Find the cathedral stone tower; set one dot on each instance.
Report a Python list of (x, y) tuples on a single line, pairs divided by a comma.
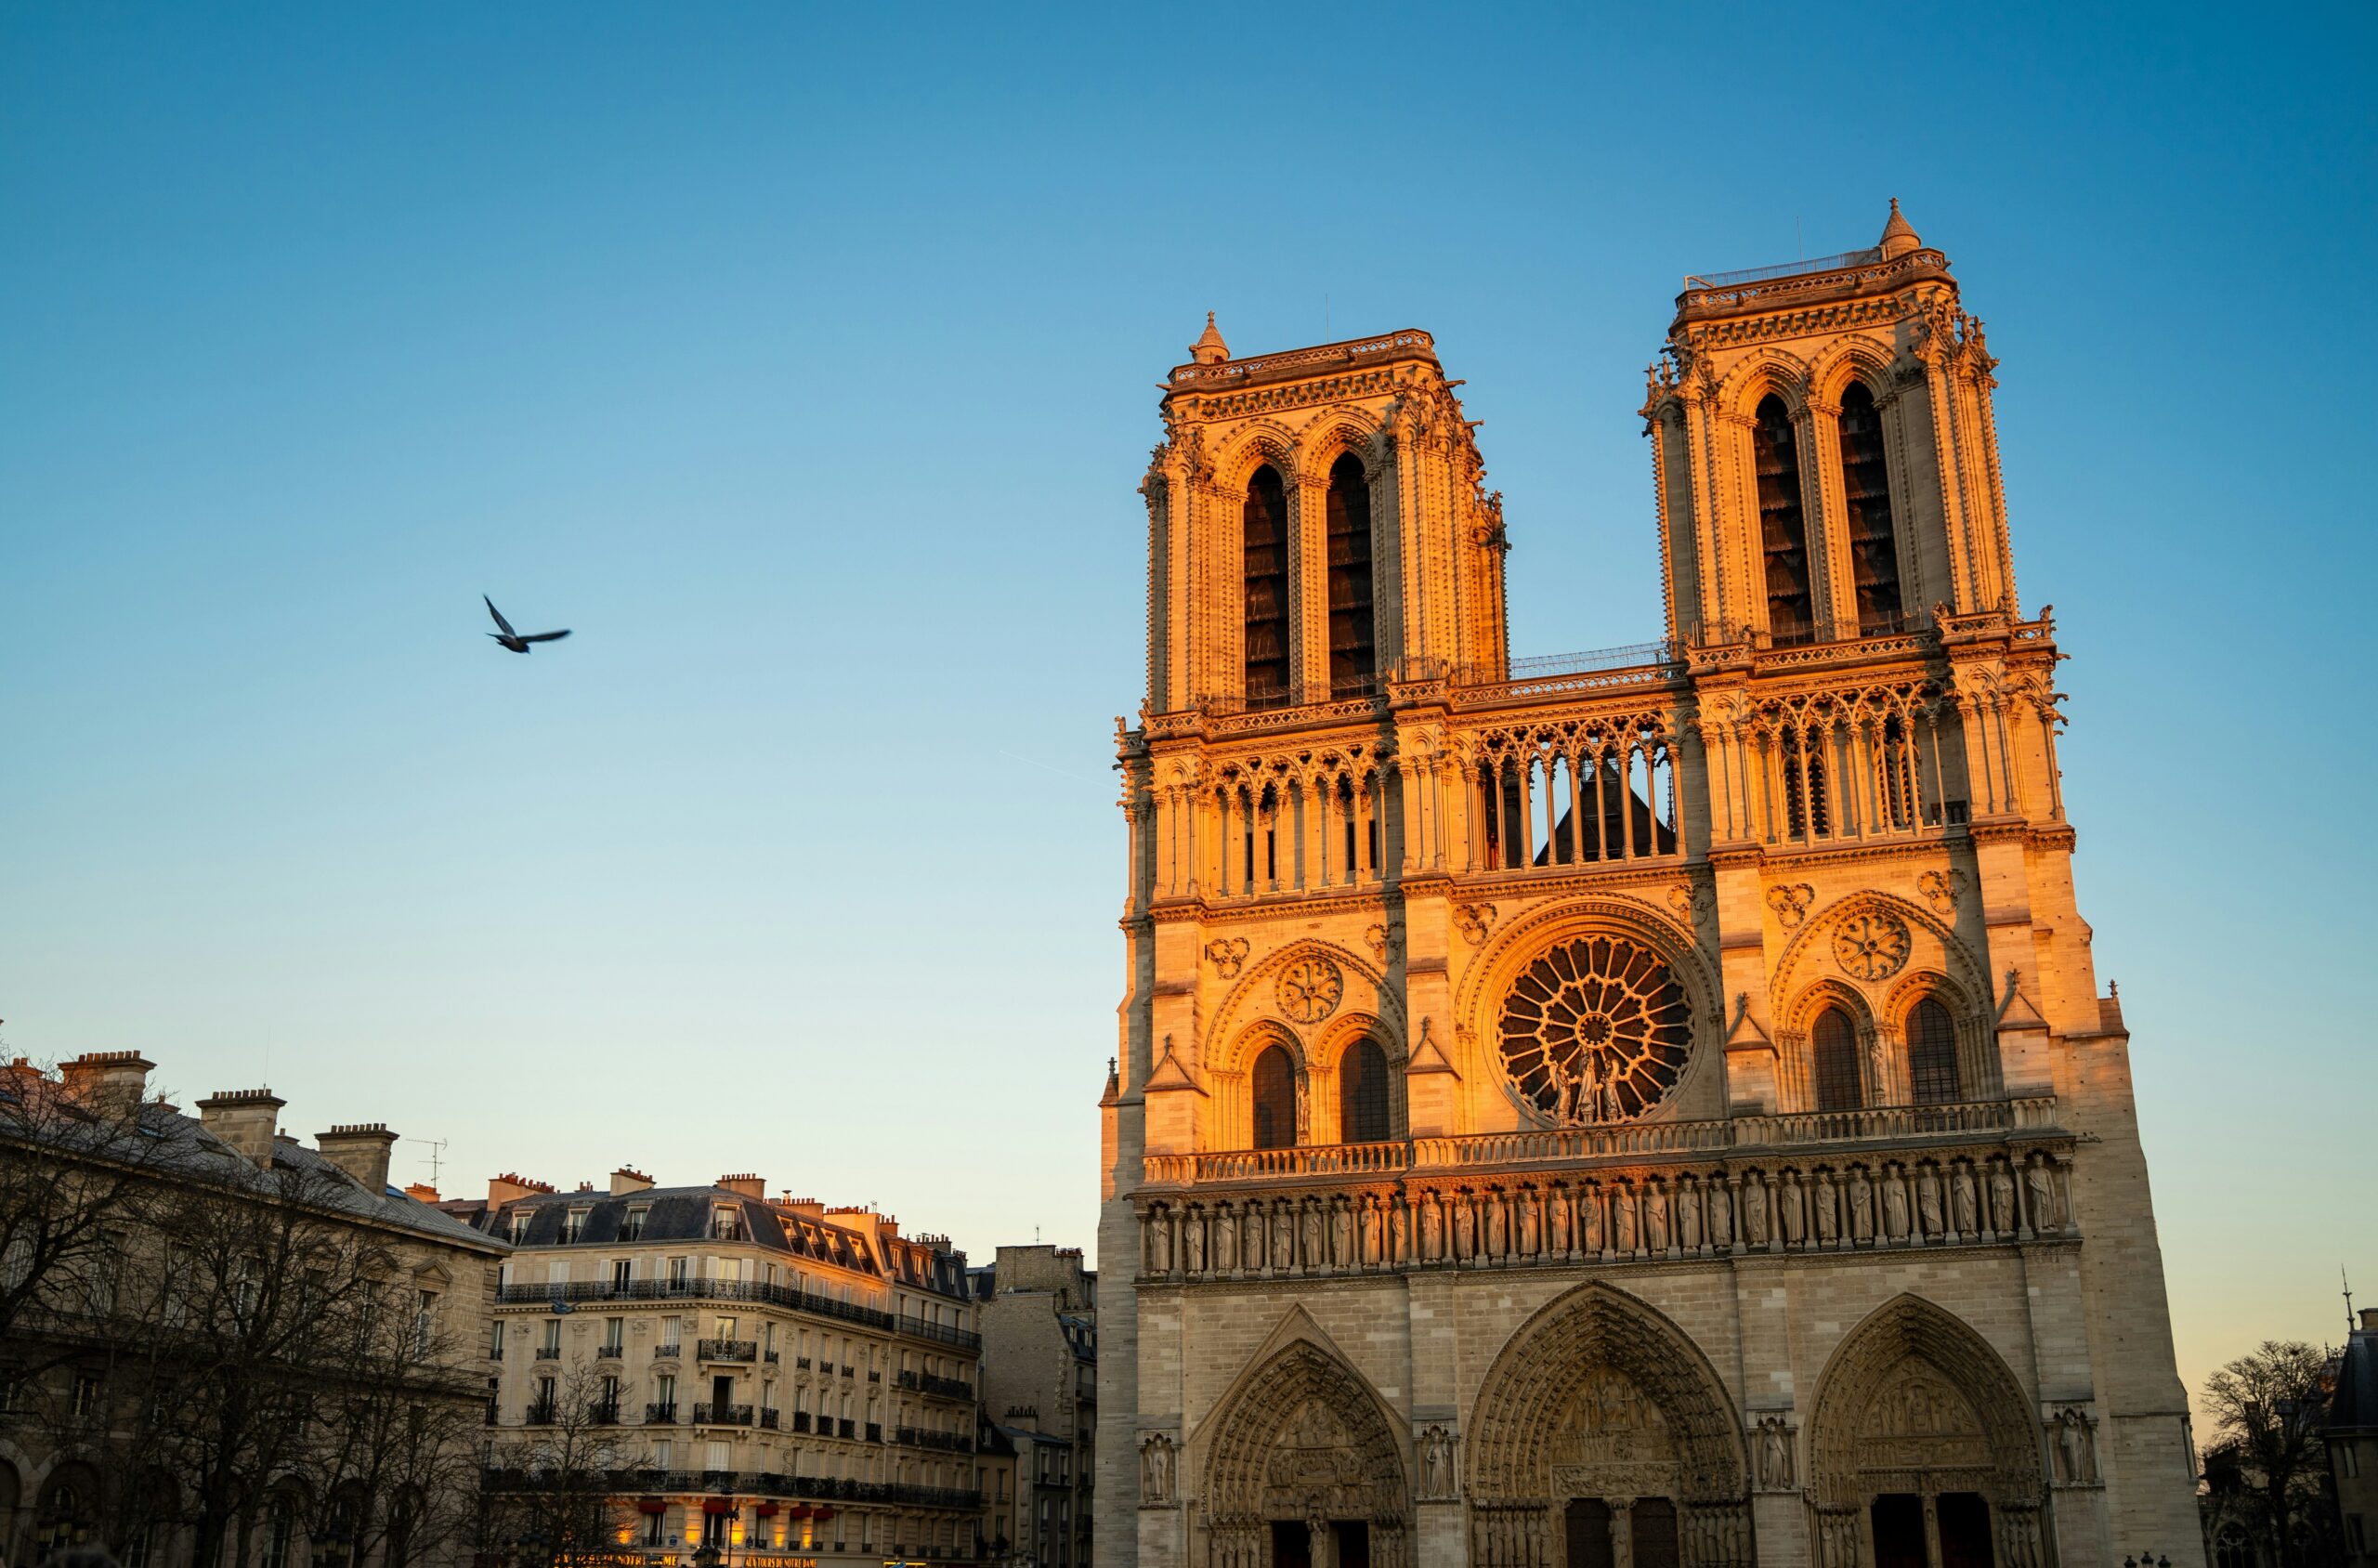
[(1642, 1109)]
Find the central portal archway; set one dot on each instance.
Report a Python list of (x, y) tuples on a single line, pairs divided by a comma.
[(1602, 1439), (1303, 1470)]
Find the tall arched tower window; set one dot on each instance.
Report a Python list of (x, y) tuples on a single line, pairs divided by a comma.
[(1835, 1047), (1274, 1088), (1932, 1054), (1362, 1094), (1866, 485), (1783, 530), (1353, 640), (1265, 546)]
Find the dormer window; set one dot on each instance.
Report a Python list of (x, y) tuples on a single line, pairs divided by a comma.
[(574, 1224), (726, 1223), (632, 1226), (519, 1227)]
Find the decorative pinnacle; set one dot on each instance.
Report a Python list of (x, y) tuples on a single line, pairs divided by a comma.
[(1209, 348), (1899, 235)]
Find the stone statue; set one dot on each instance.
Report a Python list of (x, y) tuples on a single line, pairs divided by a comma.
[(1968, 1206), (1155, 1469), (1827, 1205), (1341, 1236), (1755, 1209), (1283, 1255), (1795, 1217), (1927, 1201), (1436, 1464), (1556, 1221), (1399, 1231), (1622, 1217), (1432, 1240), (1774, 1454), (1894, 1204), (1862, 1205), (1531, 1234), (1688, 1218), (1465, 1227), (2041, 1195), (1590, 1219), (2076, 1448), (1226, 1241), (1497, 1225), (1656, 1218), (1314, 1257), (1721, 1216), (1564, 1093), (1193, 1243), (2002, 1199), (1370, 1233), (1160, 1229)]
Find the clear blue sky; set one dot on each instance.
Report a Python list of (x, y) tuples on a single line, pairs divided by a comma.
[(804, 362)]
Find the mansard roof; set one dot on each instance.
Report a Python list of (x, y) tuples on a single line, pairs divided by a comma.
[(2354, 1406)]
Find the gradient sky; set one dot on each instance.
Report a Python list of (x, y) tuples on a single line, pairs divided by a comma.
[(804, 363)]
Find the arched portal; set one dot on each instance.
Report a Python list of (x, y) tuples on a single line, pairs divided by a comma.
[(1303, 1468), (1602, 1435), (1922, 1447)]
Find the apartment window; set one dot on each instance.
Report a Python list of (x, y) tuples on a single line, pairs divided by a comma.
[(574, 1223), (549, 1348), (655, 1525), (424, 1320), (277, 1536), (631, 1225), (726, 1223), (519, 1227), (623, 1272), (677, 1271), (614, 1335), (542, 1408), (496, 1341), (716, 1457), (86, 1396)]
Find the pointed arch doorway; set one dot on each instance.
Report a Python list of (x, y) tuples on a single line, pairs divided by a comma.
[(1602, 1438), (1300, 1469)]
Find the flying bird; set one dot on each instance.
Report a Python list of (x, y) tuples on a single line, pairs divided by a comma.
[(512, 639)]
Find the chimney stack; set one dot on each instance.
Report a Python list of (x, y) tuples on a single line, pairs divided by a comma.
[(746, 1185), (503, 1189), (628, 1179), (2369, 1320), (110, 1082), (245, 1120), (361, 1150)]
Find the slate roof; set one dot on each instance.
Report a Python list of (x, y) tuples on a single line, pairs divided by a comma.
[(2354, 1406), (183, 1149), (684, 1214)]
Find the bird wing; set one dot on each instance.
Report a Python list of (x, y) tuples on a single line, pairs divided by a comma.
[(547, 636), (499, 616)]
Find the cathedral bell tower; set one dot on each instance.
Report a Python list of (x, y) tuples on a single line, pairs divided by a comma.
[(1317, 526)]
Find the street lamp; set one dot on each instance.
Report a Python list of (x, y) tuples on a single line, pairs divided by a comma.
[(706, 1556)]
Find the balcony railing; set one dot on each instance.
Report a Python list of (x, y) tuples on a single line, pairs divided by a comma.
[(608, 1352), (604, 1413), (923, 1437), (537, 1415), (801, 1420), (660, 1353), (662, 1415), (783, 1296), (726, 1349), (721, 1415), (845, 1428), (753, 1483), (939, 1388), (548, 1353), (1624, 1140), (768, 1419), (874, 1432)]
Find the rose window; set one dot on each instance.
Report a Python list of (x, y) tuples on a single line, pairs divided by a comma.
[(1595, 1030), (1871, 946)]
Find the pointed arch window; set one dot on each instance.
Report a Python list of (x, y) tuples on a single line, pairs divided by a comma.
[(1275, 1087), (1866, 487), (1932, 1054), (1265, 543), (1833, 1045), (1362, 1094), (1783, 530), (1353, 638)]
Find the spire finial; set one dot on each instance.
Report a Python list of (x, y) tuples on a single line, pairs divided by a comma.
[(1209, 348), (1899, 235)]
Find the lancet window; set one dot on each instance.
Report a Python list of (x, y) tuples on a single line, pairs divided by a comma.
[(1866, 487), (1834, 1058), (1783, 532), (1362, 1094), (1274, 1094), (1354, 647), (1932, 1054), (1264, 546)]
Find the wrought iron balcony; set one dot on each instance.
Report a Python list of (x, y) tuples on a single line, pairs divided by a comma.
[(710, 1415), (609, 1353), (663, 1414), (768, 1419), (604, 1412), (691, 1289), (537, 1415), (548, 1353), (665, 1353), (939, 1388), (727, 1350), (921, 1437)]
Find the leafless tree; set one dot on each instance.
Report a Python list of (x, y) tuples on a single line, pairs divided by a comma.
[(2269, 1409), (554, 1492)]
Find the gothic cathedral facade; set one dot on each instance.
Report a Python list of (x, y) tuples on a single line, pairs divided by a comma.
[(1635, 1110)]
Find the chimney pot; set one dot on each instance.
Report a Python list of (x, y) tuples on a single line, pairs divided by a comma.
[(111, 1082), (245, 1120)]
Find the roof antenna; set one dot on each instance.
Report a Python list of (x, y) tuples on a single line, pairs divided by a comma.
[(2349, 1297), (437, 1150)]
